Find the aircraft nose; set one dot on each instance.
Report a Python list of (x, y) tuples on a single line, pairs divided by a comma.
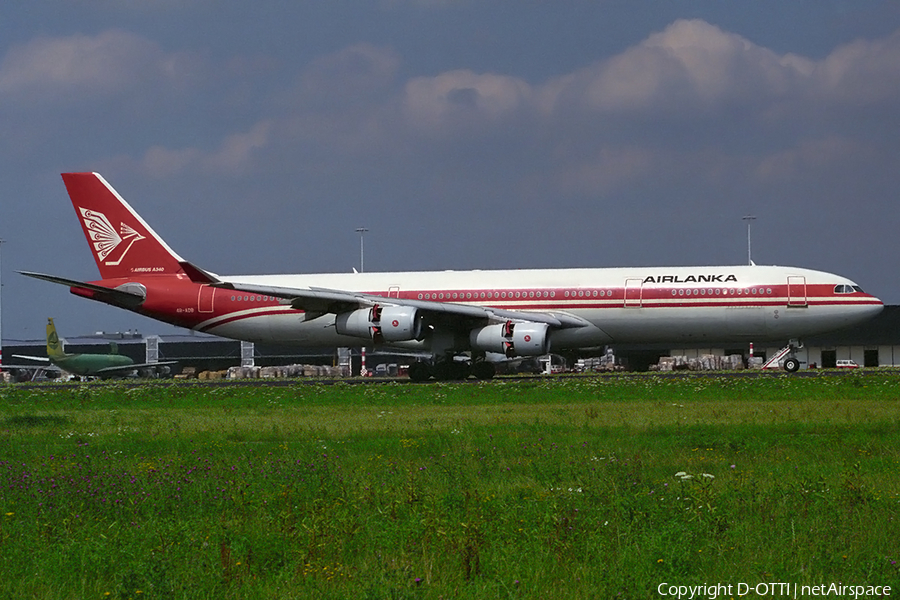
[(875, 308)]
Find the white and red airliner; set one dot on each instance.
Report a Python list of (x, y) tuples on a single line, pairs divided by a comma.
[(511, 313)]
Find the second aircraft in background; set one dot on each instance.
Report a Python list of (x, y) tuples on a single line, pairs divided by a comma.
[(94, 365)]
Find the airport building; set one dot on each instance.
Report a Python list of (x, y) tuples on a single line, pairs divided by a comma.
[(875, 343)]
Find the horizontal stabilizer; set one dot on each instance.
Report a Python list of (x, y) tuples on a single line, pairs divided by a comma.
[(115, 295)]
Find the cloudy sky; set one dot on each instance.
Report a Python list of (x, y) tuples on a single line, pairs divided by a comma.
[(255, 137)]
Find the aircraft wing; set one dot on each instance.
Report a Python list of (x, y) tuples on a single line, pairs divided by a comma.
[(127, 368), (35, 358), (320, 301), (323, 301)]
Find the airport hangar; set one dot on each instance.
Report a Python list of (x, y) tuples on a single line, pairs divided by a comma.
[(875, 343)]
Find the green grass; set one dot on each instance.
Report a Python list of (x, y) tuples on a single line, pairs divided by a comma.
[(559, 488)]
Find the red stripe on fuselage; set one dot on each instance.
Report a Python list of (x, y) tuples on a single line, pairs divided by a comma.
[(176, 299)]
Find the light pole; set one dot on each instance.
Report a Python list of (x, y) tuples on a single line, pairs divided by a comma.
[(749, 219), (361, 231), (363, 372), (1, 305)]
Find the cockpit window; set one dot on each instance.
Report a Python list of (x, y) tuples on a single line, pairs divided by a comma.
[(843, 288)]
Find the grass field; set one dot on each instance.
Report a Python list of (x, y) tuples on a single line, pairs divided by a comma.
[(597, 487)]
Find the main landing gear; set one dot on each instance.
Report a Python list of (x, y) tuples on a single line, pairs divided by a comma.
[(448, 369)]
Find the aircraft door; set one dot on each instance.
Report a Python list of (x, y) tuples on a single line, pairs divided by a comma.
[(394, 291), (205, 299), (633, 292), (796, 291)]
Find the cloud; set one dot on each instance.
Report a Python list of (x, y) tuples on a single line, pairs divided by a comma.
[(689, 67), (689, 101), (811, 156), (715, 65), (862, 73), (82, 67), (463, 100), (234, 155), (356, 74)]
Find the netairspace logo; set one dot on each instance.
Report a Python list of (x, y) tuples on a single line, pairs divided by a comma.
[(771, 590)]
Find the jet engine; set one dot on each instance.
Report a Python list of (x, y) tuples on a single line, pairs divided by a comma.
[(381, 323), (512, 339)]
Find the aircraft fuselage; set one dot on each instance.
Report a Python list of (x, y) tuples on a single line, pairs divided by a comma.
[(620, 305)]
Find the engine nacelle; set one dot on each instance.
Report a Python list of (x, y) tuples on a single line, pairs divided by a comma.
[(355, 323), (400, 324), (512, 339), (381, 323)]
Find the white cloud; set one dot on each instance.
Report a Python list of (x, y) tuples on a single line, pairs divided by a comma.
[(668, 102), (862, 72), (78, 67), (238, 150), (716, 64), (235, 154), (689, 66), (462, 98), (666, 105)]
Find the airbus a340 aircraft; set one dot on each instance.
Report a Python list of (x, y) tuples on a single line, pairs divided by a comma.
[(510, 313)]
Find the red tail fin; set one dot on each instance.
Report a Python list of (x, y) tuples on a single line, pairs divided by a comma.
[(122, 243)]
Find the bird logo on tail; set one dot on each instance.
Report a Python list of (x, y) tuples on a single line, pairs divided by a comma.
[(105, 239)]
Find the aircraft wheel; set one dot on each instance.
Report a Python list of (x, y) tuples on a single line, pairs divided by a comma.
[(443, 370), (483, 370), (461, 370), (791, 365), (419, 371), (451, 370)]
